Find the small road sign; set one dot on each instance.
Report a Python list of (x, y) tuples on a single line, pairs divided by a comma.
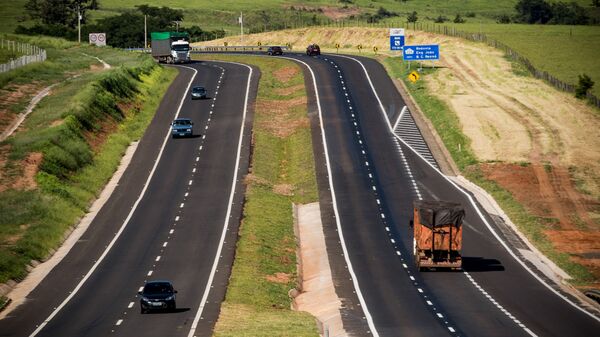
[(99, 39), (421, 53), (413, 76), (396, 38)]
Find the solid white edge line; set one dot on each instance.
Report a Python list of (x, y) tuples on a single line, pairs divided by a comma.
[(229, 207), (399, 117), (359, 294), (125, 222), (479, 212)]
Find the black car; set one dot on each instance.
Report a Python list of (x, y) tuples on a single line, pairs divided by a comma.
[(198, 93), (157, 295), (313, 50), (275, 50)]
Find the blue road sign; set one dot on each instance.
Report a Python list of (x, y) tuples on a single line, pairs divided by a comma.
[(396, 38), (396, 42), (421, 53)]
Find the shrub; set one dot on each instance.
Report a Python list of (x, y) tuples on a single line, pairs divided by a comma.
[(412, 17), (458, 19), (585, 84), (441, 19), (503, 18)]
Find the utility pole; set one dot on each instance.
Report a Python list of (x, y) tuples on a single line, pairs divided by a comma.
[(79, 24), (145, 33), (241, 20)]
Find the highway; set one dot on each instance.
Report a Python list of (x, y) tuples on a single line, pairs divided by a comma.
[(174, 216), (374, 178), (168, 218)]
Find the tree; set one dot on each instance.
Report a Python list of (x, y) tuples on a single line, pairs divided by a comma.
[(412, 17), (163, 17), (596, 3), (533, 11), (585, 84), (568, 14), (59, 12), (458, 19), (440, 19)]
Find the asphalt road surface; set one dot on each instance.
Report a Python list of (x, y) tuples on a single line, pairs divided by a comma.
[(374, 178), (187, 215)]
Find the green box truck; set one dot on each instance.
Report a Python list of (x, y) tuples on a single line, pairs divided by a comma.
[(170, 47)]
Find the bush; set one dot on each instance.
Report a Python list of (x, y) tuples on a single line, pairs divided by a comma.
[(412, 17), (441, 19), (458, 19), (503, 18), (585, 84)]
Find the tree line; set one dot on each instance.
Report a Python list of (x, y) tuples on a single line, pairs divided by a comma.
[(59, 18)]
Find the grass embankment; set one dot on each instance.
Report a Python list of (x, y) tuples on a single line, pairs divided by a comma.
[(257, 301), (65, 60), (448, 127), (574, 48), (69, 148)]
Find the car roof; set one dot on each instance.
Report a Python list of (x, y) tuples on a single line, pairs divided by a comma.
[(182, 120), (197, 87), (158, 281)]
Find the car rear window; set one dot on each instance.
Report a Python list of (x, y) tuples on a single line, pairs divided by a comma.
[(158, 288)]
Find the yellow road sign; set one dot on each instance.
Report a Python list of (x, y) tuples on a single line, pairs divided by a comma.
[(259, 43), (337, 46), (413, 76), (375, 49), (225, 43)]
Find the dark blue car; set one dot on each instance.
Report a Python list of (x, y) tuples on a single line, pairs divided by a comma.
[(157, 295), (182, 127)]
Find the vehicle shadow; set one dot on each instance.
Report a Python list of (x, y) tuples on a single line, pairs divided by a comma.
[(480, 264), (174, 311)]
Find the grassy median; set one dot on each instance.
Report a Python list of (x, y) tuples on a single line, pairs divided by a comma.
[(282, 173)]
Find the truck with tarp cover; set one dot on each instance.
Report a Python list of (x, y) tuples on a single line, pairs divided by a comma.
[(170, 47), (437, 227)]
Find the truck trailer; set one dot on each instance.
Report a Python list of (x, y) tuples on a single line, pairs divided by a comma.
[(437, 227), (170, 47)]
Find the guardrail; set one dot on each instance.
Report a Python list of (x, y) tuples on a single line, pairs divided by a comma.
[(218, 48), (32, 54), (236, 48)]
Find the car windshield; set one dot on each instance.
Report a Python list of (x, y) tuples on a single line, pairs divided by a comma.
[(198, 89), (182, 122), (183, 47), (158, 288)]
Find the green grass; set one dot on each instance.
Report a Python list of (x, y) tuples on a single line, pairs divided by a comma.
[(437, 112), (255, 306), (33, 221), (7, 54), (449, 129)]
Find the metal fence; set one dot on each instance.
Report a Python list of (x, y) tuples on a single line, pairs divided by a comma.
[(31, 54)]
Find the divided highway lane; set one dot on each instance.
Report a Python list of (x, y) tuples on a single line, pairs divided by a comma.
[(375, 179), (191, 205), (494, 283)]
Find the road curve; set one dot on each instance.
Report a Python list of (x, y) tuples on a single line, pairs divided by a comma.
[(374, 179), (189, 208)]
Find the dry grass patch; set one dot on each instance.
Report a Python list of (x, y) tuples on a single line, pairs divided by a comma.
[(276, 118)]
